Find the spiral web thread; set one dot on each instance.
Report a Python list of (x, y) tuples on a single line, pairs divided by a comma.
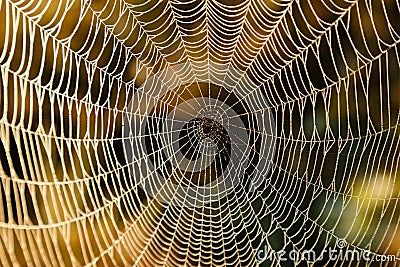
[(328, 71)]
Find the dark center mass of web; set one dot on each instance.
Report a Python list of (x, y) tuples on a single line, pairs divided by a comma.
[(209, 128), (198, 129)]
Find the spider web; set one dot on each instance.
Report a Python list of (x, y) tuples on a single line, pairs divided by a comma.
[(197, 133)]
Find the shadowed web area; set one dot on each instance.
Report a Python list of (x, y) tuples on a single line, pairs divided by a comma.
[(199, 133)]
